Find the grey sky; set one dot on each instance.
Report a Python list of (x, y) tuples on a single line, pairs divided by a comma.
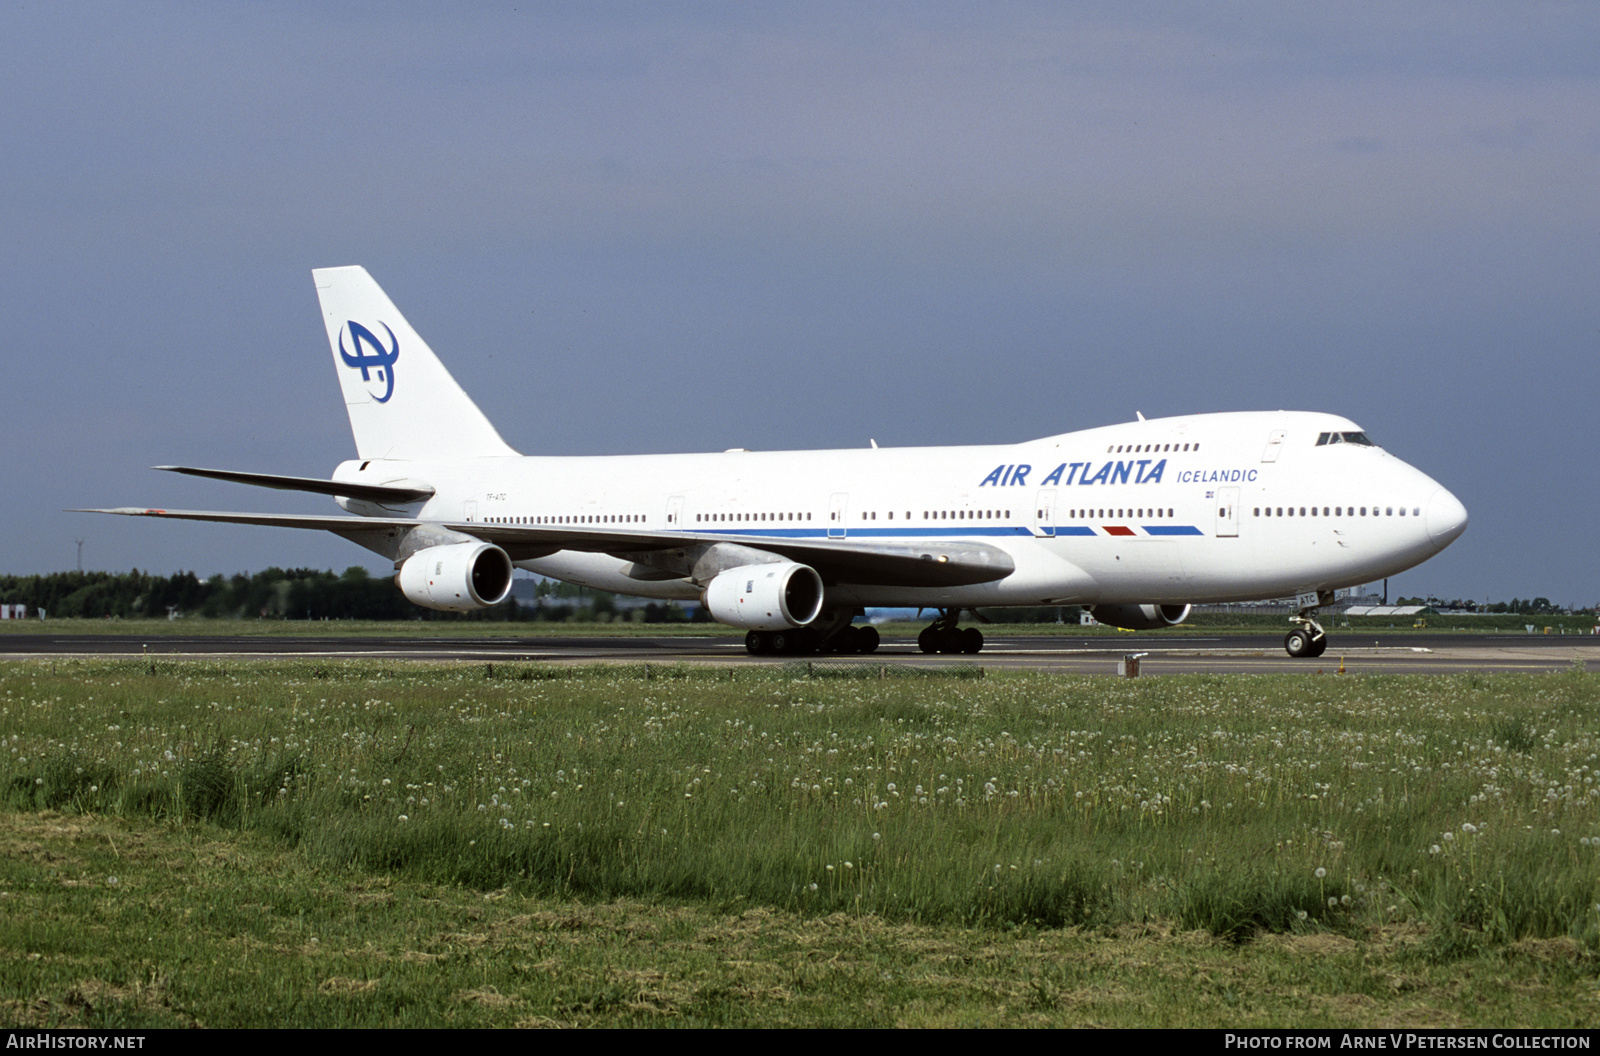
[(669, 226)]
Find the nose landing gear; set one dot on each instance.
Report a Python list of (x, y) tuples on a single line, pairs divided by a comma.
[(1308, 639)]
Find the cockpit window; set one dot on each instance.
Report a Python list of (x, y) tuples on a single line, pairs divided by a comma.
[(1323, 439)]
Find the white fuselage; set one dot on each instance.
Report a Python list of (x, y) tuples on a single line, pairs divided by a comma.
[(1214, 507)]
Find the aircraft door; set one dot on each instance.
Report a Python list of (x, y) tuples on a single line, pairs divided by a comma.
[(1044, 514), (838, 506), (1227, 513), (675, 511), (1274, 445), (469, 511)]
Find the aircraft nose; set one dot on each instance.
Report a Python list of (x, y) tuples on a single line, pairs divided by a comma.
[(1446, 518)]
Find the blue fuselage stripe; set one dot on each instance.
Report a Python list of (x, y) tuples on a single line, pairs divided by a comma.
[(935, 533)]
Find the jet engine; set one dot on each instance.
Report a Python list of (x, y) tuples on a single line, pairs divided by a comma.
[(1140, 617), (768, 597), (459, 577)]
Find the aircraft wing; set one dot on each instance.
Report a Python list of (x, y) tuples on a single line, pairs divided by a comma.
[(932, 564)]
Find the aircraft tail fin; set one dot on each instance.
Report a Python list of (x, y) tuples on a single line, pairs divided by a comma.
[(402, 402)]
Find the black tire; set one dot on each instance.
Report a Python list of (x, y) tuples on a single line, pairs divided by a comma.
[(1297, 644), (971, 641), (928, 640), (1319, 646), (868, 640), (950, 640), (781, 642), (755, 643)]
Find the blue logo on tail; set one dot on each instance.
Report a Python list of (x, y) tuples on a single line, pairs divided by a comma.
[(378, 360)]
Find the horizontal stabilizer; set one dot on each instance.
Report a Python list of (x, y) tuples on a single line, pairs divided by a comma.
[(386, 493)]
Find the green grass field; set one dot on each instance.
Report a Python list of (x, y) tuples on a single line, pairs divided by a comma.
[(315, 844)]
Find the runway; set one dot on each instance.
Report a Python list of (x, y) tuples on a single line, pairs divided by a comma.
[(1162, 655)]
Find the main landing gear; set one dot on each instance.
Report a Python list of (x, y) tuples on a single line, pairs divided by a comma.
[(804, 641), (1308, 639), (943, 636)]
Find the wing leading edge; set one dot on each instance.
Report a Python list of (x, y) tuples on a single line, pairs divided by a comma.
[(943, 564)]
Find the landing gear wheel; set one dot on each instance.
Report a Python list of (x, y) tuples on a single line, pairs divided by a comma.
[(950, 640), (928, 640), (781, 642), (755, 643), (1298, 643), (971, 641), (1319, 646), (866, 640)]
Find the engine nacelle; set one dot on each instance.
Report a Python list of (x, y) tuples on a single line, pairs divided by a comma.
[(1140, 617), (769, 597), (459, 577)]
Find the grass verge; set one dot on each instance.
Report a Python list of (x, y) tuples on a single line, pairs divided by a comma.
[(1444, 826)]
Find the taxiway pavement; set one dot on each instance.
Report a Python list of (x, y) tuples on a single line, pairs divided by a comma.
[(1162, 654)]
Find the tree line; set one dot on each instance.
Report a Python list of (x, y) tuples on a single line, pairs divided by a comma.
[(296, 594), (1520, 606), (276, 593)]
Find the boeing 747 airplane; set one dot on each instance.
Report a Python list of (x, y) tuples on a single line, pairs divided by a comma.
[(1135, 521)]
